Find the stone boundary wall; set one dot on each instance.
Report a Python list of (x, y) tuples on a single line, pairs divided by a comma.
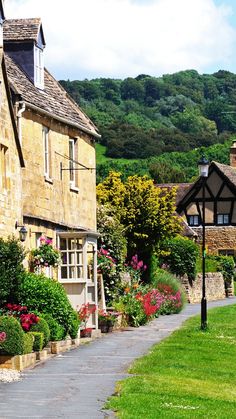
[(215, 287)]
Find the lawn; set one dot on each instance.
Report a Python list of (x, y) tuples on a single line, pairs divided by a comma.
[(191, 374), (101, 157)]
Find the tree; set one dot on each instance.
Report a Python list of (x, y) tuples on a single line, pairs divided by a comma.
[(132, 89), (146, 212)]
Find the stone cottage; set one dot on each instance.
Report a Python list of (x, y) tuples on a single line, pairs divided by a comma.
[(58, 143), (11, 156)]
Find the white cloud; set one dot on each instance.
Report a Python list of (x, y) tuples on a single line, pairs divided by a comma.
[(120, 38)]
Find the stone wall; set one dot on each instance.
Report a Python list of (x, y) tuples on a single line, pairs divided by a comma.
[(53, 200), (215, 287), (217, 238), (10, 182)]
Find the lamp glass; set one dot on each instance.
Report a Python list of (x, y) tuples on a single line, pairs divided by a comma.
[(23, 233), (203, 166)]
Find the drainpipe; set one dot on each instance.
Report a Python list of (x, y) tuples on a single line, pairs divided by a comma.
[(21, 109)]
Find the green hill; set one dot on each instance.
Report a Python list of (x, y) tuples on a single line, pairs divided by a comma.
[(143, 119)]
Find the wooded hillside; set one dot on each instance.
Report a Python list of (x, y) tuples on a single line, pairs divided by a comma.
[(145, 116)]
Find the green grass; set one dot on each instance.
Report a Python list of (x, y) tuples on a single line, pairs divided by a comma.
[(101, 158), (191, 374)]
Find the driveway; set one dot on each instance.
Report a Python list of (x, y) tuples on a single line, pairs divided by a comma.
[(77, 383)]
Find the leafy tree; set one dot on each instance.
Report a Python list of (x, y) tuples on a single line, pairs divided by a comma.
[(144, 210), (132, 89)]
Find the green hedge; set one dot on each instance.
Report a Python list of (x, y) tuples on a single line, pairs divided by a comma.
[(42, 327), (44, 295), (14, 343), (28, 343), (57, 332), (182, 256), (11, 268), (38, 339)]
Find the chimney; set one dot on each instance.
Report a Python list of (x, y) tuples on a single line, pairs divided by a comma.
[(233, 154)]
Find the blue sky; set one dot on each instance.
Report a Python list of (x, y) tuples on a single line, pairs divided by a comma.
[(122, 38)]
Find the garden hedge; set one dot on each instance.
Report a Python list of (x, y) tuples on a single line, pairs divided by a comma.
[(47, 296), (43, 328), (57, 332), (14, 343)]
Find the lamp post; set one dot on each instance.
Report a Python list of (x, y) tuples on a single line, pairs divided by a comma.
[(203, 166)]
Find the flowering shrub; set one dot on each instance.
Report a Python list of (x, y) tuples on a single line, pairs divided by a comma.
[(3, 336), (135, 268), (106, 264), (21, 313), (142, 303), (45, 255), (84, 312), (107, 317)]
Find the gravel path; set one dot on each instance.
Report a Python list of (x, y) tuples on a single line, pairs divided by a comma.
[(77, 383)]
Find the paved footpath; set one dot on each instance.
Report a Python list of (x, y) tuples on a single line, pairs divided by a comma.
[(77, 383)]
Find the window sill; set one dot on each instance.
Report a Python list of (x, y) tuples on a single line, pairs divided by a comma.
[(74, 189), (48, 179), (72, 281)]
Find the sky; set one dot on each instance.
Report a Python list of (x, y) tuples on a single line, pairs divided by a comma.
[(125, 38)]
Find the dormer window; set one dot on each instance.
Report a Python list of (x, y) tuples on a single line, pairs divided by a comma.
[(38, 68)]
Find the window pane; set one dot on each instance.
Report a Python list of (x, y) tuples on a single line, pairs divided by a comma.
[(226, 219), (63, 272), (220, 219), (63, 244)]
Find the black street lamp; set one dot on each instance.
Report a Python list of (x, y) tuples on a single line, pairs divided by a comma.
[(203, 166)]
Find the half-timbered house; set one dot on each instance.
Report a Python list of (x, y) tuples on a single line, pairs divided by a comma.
[(220, 207)]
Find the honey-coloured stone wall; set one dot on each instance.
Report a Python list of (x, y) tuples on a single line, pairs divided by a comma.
[(10, 194), (218, 238), (215, 287), (52, 200)]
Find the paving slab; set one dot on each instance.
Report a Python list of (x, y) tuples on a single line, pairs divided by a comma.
[(77, 383)]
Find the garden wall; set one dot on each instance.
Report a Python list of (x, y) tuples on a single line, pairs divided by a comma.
[(215, 287)]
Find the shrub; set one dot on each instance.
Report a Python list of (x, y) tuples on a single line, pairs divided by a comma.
[(28, 343), (182, 256), (44, 295), (43, 328), (57, 332), (38, 339), (14, 342), (162, 278), (226, 265), (11, 268), (74, 326)]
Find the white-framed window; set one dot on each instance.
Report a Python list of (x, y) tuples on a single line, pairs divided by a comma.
[(72, 164), (72, 253), (193, 220), (38, 68), (46, 149), (222, 219)]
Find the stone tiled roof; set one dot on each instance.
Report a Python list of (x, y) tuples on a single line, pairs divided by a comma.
[(21, 29), (52, 100), (181, 189), (228, 171)]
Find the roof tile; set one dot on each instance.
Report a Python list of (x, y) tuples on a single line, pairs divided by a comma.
[(52, 99)]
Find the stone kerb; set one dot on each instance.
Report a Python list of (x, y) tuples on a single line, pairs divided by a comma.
[(215, 287)]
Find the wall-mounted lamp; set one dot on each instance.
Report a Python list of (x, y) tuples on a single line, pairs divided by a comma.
[(22, 232)]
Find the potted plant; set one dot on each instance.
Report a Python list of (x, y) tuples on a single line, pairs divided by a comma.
[(106, 321), (83, 314)]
